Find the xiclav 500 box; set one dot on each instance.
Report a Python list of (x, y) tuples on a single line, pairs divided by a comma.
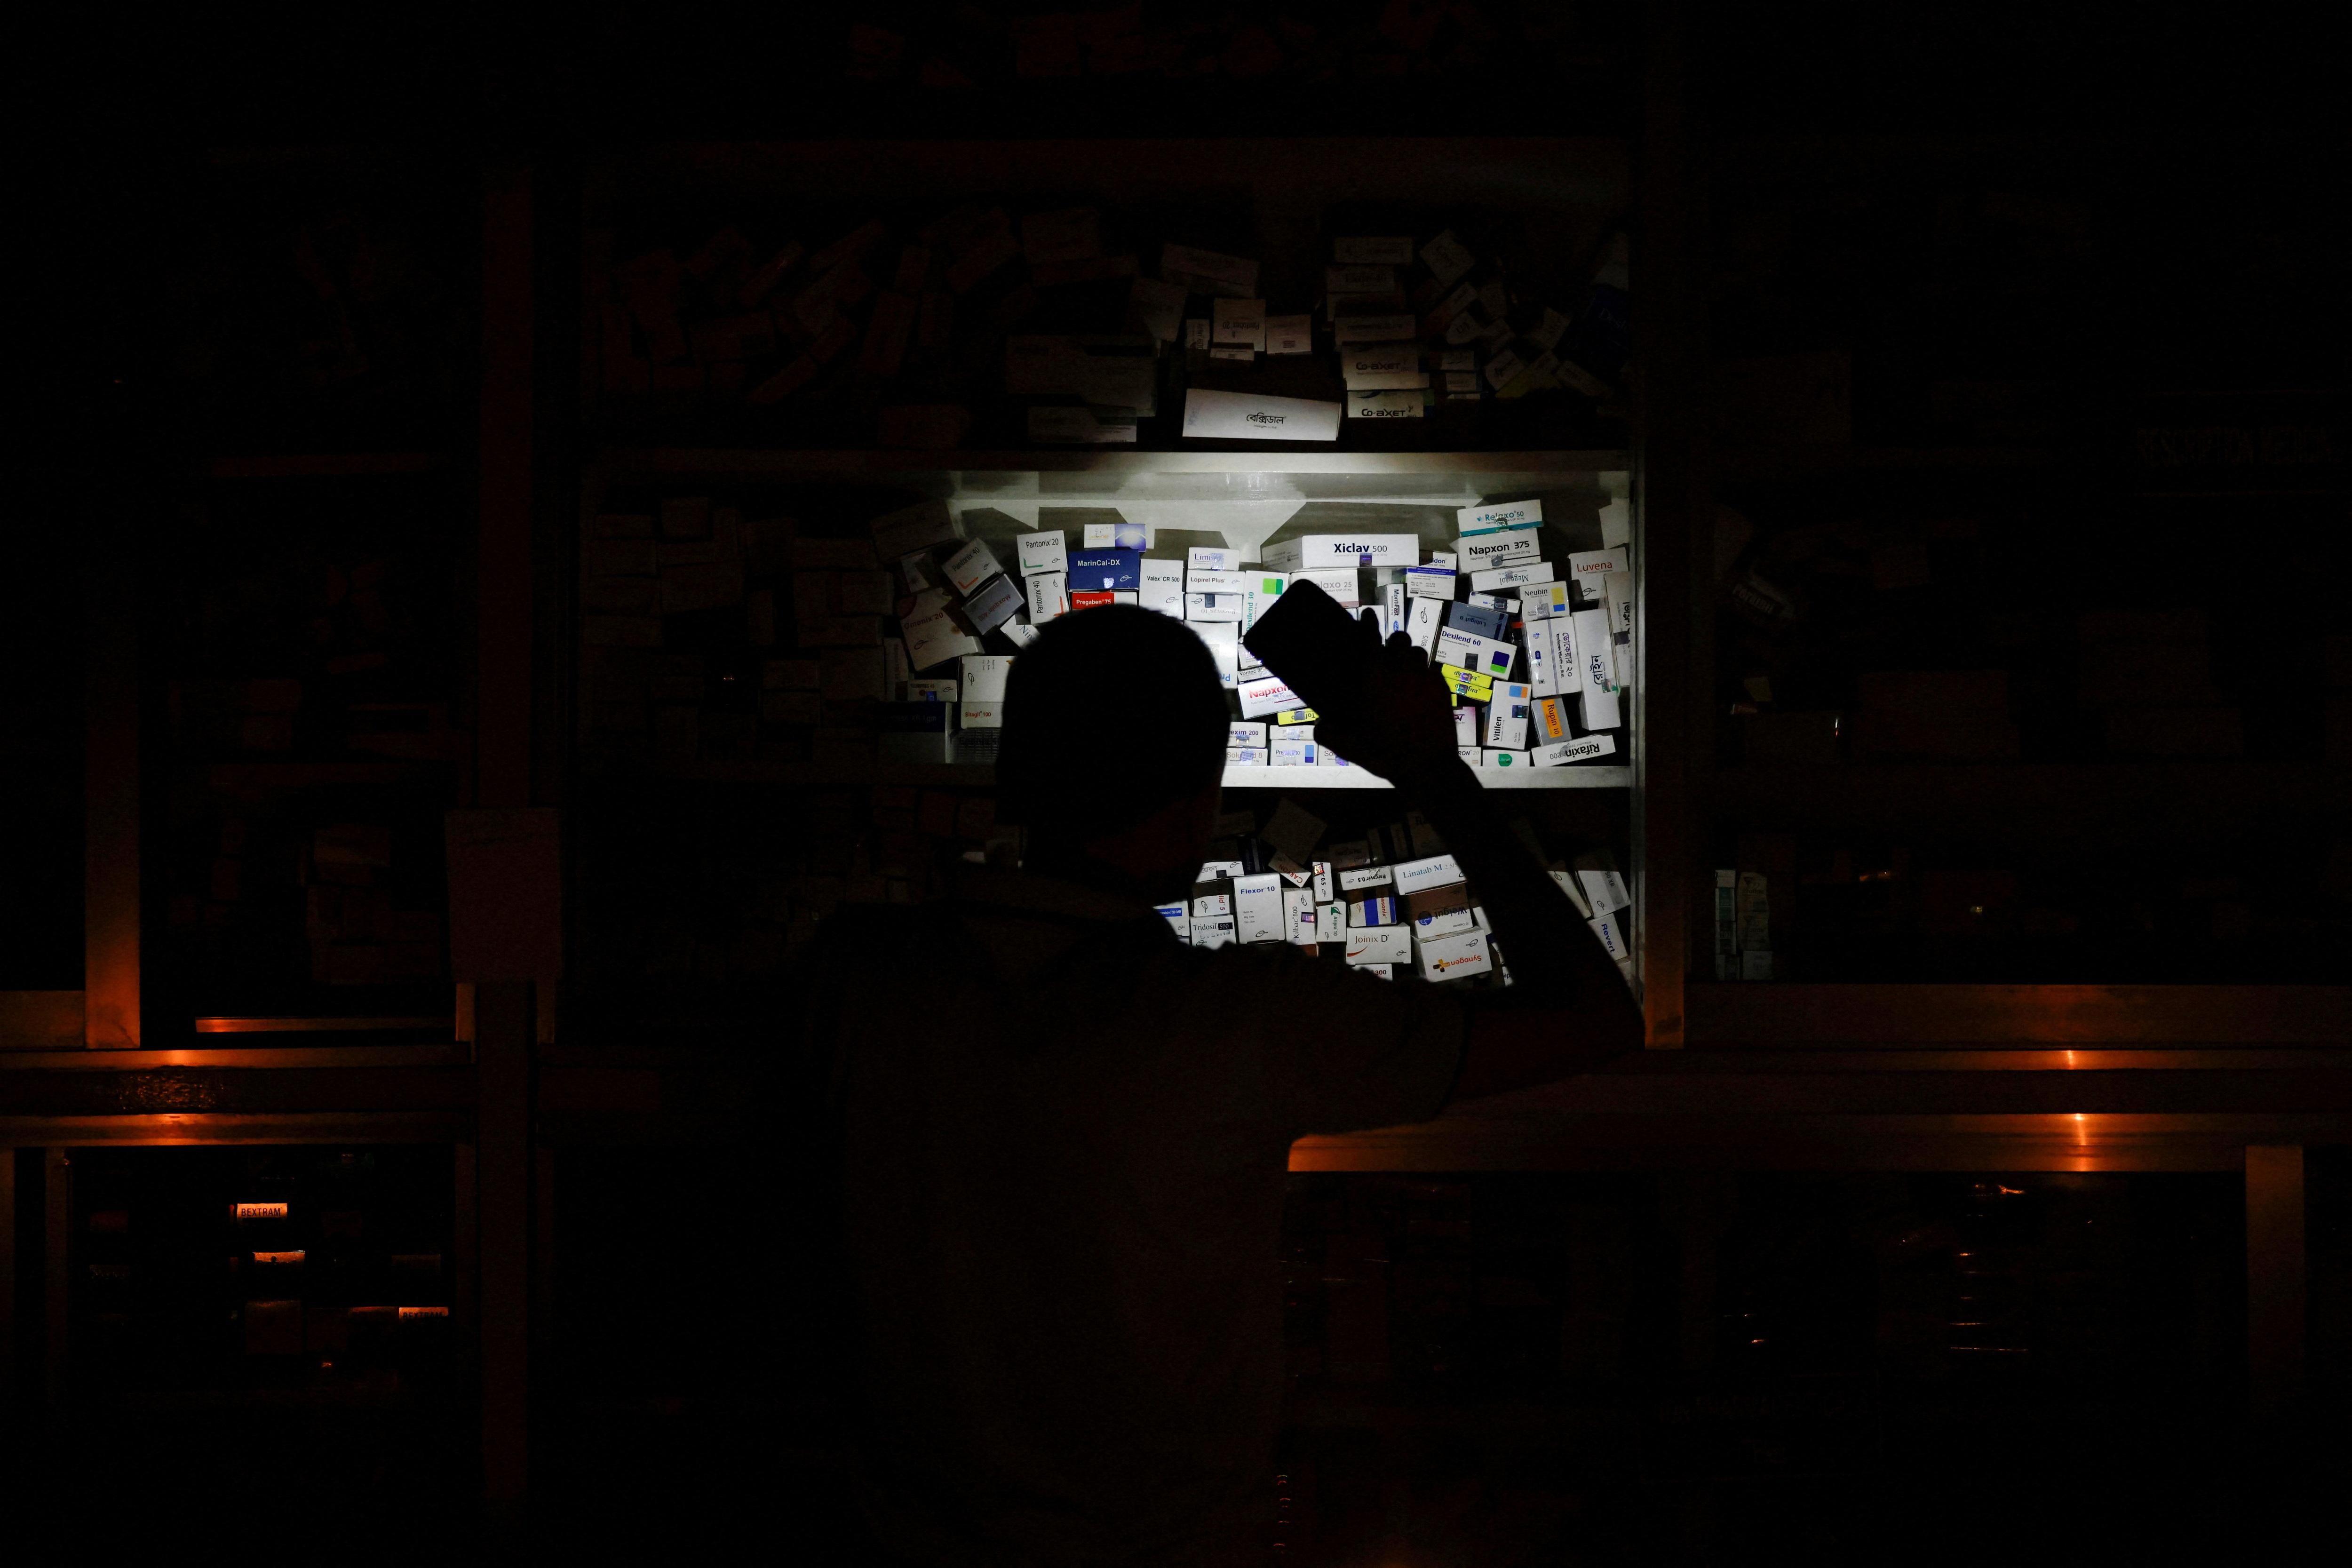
[(1312, 551)]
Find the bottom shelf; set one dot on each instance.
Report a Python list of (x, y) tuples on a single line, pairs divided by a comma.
[(1364, 778)]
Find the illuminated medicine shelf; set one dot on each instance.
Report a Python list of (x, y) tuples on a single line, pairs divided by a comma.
[(982, 776), (1245, 502), (1492, 778)]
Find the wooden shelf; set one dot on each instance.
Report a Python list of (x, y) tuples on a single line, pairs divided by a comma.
[(279, 1058), (1768, 1013), (39, 1021), (1813, 461), (431, 1126), (2025, 802), (1912, 1109), (1492, 778), (442, 1024), (325, 464), (979, 776), (1273, 458), (1776, 1141)]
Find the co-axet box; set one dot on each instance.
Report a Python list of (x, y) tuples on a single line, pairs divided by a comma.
[(1312, 551), (1423, 875), (1455, 957), (1379, 944), (1253, 417), (1372, 367)]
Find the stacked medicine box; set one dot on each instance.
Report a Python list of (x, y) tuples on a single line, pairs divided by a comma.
[(1391, 902)]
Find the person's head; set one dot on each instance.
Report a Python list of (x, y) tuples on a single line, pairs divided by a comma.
[(1114, 741)]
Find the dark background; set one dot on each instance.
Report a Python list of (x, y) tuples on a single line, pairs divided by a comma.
[(2217, 252)]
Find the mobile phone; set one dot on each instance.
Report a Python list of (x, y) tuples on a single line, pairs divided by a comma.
[(1319, 651)]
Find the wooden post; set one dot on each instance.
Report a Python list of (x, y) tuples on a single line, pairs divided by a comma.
[(1671, 496), (57, 1275), (7, 1277), (2274, 1275), (502, 1205), (502, 721), (1701, 1204), (110, 985)]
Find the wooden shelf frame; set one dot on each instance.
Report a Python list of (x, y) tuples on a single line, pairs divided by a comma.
[(1773, 1014)]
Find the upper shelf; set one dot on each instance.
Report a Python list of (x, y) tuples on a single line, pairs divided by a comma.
[(1339, 474), (1805, 461), (326, 465), (980, 775)]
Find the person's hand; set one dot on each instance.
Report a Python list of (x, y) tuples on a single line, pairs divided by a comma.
[(1401, 724)]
